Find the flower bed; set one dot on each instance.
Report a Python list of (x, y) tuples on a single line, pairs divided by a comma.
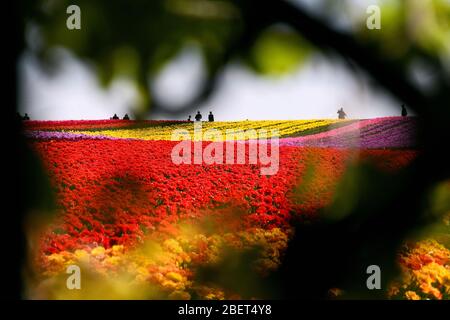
[(164, 132), (120, 194), (396, 132)]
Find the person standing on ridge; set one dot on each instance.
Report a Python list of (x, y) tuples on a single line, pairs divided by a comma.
[(189, 118), (210, 117), (404, 111), (115, 117), (198, 116), (341, 113), (126, 117)]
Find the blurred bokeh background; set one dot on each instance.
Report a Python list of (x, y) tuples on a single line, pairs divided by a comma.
[(166, 59)]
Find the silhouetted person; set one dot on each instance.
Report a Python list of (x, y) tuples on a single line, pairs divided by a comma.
[(126, 117), (210, 117), (404, 111), (198, 116), (26, 117), (341, 113), (115, 117)]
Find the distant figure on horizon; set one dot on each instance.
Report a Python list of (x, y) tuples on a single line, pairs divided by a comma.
[(341, 113), (198, 116), (126, 117), (210, 117), (26, 117), (115, 117), (189, 118), (404, 111)]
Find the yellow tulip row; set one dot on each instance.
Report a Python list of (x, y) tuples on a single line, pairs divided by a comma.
[(164, 132)]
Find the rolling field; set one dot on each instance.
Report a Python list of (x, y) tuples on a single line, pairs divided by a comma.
[(144, 225)]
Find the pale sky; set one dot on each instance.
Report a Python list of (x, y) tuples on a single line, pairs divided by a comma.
[(315, 90)]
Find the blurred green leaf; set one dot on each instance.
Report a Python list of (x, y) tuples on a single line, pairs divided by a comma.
[(278, 51)]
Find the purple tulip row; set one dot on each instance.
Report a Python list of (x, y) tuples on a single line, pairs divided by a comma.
[(395, 132), (58, 135)]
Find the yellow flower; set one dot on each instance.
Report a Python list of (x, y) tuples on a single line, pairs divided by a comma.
[(170, 285), (98, 251), (56, 258), (174, 276), (81, 255), (411, 295), (117, 249), (173, 246), (113, 260)]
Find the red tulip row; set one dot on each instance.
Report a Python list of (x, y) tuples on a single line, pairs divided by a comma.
[(92, 124), (117, 192)]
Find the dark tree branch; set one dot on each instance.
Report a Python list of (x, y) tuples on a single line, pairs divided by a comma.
[(388, 73), (236, 47)]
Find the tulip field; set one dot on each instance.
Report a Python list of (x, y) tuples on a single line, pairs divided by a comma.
[(144, 225)]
